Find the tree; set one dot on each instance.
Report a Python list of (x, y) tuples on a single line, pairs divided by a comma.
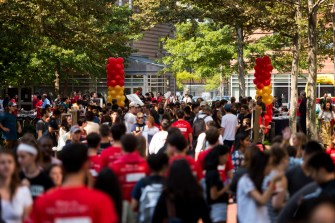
[(199, 50), (43, 39)]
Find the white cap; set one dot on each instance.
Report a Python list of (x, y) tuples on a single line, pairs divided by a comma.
[(133, 104)]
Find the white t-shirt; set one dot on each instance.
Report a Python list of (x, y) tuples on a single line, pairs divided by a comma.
[(148, 134), (129, 120), (157, 142), (92, 127), (12, 211), (229, 123), (248, 211), (202, 140)]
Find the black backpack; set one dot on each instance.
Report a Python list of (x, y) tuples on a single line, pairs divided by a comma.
[(198, 126)]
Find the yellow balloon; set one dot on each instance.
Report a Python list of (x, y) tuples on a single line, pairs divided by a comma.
[(123, 98), (109, 98), (110, 88), (112, 92), (121, 104), (268, 101)]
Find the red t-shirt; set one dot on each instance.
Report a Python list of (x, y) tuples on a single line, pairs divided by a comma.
[(184, 127), (73, 204), (35, 100), (223, 169), (95, 166), (129, 169), (196, 170), (39, 108), (331, 153), (110, 155)]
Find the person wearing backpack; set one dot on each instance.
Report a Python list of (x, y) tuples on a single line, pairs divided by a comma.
[(147, 191)]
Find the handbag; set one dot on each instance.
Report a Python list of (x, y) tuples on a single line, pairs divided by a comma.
[(172, 218), (1, 219)]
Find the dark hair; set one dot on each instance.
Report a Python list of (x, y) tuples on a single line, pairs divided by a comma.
[(258, 162), (277, 139), (177, 140), (15, 180), (181, 183), (180, 114), (165, 124), (277, 154), (240, 137), (245, 107), (291, 151), (93, 140), (108, 183), (118, 130), (89, 116), (321, 160), (104, 130), (73, 156), (312, 147), (81, 121), (158, 161), (324, 106), (212, 135), (187, 110), (212, 159), (129, 143)]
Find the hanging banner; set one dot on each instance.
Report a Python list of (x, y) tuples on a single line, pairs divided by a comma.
[(326, 79)]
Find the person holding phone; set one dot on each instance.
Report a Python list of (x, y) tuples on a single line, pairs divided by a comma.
[(138, 127)]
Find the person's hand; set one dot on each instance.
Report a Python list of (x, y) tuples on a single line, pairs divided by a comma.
[(287, 133), (5, 129)]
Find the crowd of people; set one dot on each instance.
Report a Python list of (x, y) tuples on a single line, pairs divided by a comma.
[(167, 160)]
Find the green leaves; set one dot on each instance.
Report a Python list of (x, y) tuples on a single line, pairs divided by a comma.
[(68, 36), (198, 50)]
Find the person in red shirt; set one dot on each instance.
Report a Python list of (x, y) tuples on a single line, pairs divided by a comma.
[(38, 107), (212, 137), (184, 127), (177, 147), (93, 143), (112, 153), (130, 167), (74, 202)]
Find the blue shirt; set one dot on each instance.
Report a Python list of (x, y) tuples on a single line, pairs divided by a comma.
[(9, 121), (45, 102)]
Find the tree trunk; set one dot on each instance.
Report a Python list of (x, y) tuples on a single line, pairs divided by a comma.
[(57, 89), (295, 72), (312, 71), (240, 43)]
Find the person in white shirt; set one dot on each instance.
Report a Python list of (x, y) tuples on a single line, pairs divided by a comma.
[(229, 124), (16, 200), (205, 112), (91, 126), (187, 99), (159, 139), (149, 131), (130, 117), (251, 199)]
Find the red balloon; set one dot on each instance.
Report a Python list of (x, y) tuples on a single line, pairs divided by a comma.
[(118, 66), (257, 68), (266, 60), (120, 72), (255, 81), (111, 60), (120, 60), (120, 82), (260, 86), (269, 67), (267, 82), (117, 77), (259, 61), (113, 83)]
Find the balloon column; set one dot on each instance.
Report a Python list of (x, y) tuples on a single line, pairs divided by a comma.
[(262, 81), (115, 80)]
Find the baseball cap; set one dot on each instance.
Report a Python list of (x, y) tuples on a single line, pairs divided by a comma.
[(203, 103), (75, 129), (133, 104), (11, 104), (227, 107)]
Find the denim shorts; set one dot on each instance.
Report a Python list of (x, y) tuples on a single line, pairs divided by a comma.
[(219, 212)]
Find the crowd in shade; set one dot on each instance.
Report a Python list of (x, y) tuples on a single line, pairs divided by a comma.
[(162, 160)]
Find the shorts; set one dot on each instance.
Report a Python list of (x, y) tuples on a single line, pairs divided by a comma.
[(219, 212)]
